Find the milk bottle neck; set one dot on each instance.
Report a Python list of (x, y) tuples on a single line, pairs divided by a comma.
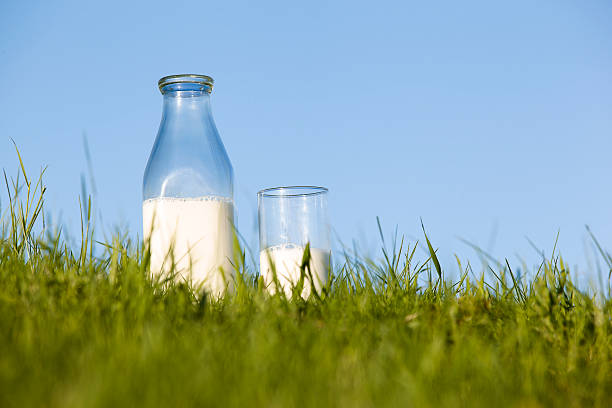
[(186, 106)]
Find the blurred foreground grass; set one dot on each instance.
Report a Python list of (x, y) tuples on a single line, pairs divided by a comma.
[(81, 330)]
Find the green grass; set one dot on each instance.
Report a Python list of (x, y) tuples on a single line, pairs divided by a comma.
[(81, 330)]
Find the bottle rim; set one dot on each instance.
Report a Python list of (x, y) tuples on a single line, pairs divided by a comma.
[(198, 79), (292, 191)]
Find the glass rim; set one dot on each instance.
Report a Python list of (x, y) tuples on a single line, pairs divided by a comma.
[(185, 79), (289, 191)]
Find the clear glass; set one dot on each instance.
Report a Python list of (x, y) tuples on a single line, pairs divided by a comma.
[(188, 207), (290, 218)]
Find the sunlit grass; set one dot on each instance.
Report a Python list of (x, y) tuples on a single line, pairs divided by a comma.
[(78, 329)]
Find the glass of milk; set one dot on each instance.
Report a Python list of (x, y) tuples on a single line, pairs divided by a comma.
[(290, 218), (188, 209)]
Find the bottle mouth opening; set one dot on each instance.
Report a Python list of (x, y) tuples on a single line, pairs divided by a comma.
[(292, 191), (185, 82)]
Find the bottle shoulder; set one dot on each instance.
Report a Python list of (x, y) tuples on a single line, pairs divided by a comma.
[(188, 166)]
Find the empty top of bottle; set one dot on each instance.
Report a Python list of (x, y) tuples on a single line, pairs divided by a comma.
[(185, 82)]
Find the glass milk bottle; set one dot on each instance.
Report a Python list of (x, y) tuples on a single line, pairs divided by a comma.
[(187, 208)]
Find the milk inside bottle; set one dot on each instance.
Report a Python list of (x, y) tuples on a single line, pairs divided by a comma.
[(192, 238)]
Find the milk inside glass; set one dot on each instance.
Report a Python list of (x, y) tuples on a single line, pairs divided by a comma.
[(287, 260), (194, 233)]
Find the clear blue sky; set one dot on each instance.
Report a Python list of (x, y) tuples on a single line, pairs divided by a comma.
[(490, 120)]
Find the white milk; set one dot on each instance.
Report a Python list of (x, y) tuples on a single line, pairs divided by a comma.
[(287, 260), (201, 232)]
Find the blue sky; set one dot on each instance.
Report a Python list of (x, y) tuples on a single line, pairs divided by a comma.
[(491, 121)]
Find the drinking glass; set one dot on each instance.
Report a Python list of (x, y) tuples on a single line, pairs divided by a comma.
[(290, 220)]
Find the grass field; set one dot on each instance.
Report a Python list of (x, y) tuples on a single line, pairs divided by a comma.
[(80, 330)]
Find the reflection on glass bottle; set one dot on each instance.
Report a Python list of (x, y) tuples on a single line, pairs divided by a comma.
[(188, 209)]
